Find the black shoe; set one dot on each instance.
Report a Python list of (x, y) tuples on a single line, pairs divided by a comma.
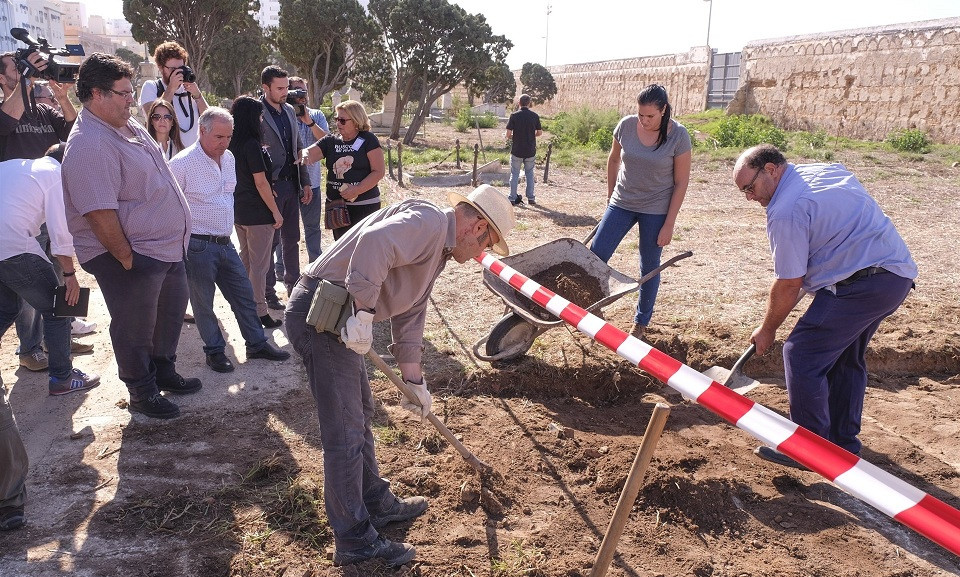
[(219, 362), (774, 456), (179, 385), (275, 304), (269, 351), (156, 407), (517, 202), (269, 322), (401, 510), (11, 518), (188, 318), (394, 554), (531, 201)]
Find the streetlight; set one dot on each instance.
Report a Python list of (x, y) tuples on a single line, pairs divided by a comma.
[(709, 18), (546, 39)]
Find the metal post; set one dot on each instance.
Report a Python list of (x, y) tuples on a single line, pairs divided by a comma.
[(390, 160), (458, 154)]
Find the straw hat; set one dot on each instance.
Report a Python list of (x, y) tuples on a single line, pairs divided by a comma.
[(496, 210)]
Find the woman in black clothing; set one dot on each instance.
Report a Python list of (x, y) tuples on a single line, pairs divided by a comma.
[(256, 215), (354, 162)]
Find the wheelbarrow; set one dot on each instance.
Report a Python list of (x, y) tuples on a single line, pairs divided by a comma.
[(523, 321)]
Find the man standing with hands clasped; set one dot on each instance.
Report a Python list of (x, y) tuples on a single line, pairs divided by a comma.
[(523, 128), (385, 267), (829, 238)]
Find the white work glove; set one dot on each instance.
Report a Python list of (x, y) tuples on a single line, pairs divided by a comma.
[(358, 334), (424, 401)]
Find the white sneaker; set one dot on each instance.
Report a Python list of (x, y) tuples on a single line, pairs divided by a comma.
[(82, 327)]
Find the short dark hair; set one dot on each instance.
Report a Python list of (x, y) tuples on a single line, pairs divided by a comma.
[(525, 100), (100, 70), (56, 151), (760, 155), (271, 72)]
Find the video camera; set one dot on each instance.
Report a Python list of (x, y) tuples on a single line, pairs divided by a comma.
[(293, 96), (61, 72)]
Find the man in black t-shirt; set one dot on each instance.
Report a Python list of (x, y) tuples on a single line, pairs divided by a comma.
[(523, 128)]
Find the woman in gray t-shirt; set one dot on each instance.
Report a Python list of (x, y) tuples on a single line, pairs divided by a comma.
[(647, 174)]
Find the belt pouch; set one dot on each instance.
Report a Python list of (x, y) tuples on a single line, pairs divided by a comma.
[(330, 308)]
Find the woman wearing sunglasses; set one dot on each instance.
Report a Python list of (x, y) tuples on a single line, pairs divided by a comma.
[(162, 126), (354, 162)]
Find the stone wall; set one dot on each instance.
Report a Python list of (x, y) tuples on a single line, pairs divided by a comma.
[(858, 83), (614, 84)]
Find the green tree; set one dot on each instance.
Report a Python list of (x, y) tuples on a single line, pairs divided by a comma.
[(129, 56), (497, 85), (324, 39), (238, 54), (433, 46), (537, 82), (192, 23)]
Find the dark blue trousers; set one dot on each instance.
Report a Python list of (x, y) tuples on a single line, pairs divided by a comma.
[(824, 357)]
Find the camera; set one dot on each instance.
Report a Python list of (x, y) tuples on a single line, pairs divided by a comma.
[(188, 74), (61, 72), (292, 99)]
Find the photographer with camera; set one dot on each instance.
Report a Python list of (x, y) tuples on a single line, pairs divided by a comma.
[(27, 130), (313, 126), (177, 84)]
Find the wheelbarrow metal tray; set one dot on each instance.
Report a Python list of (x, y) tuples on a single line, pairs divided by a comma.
[(614, 283)]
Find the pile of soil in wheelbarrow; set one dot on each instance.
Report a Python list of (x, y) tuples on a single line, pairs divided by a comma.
[(571, 282)]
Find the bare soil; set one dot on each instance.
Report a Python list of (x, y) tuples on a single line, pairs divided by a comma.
[(234, 486)]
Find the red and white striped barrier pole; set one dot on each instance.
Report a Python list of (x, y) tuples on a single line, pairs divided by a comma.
[(914, 508)]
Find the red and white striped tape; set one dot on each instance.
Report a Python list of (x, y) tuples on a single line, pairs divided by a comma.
[(914, 508)]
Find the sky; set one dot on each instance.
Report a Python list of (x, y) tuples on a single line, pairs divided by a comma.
[(598, 30)]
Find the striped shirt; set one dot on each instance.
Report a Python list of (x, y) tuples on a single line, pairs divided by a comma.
[(105, 170), (208, 188)]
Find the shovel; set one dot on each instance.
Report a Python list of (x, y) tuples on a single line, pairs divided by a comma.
[(734, 379)]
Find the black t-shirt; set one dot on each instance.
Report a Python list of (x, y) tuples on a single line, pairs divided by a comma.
[(524, 123), (248, 208), (334, 148), (31, 136)]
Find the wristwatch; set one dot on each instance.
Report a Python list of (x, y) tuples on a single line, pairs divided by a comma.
[(312, 124)]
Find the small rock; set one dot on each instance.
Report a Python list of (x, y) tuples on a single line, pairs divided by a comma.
[(592, 453), (490, 503), (604, 450), (955, 164), (469, 494)]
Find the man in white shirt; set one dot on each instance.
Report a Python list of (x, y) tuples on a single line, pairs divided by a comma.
[(32, 194), (206, 172), (176, 87)]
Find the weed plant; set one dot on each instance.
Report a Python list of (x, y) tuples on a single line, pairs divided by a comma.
[(467, 121), (911, 140)]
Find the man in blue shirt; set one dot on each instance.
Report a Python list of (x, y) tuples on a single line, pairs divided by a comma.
[(829, 238), (313, 126)]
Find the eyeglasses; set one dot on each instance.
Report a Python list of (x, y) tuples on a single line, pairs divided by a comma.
[(342, 121), (749, 188), (122, 93), (161, 117)]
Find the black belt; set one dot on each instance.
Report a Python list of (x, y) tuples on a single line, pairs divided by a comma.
[(869, 271), (211, 238)]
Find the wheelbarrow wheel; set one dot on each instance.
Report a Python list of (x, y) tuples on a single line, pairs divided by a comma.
[(511, 337)]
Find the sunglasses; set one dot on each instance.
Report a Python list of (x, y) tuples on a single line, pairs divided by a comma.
[(161, 117), (342, 121)]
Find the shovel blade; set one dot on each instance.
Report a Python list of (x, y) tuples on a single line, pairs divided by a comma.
[(735, 381)]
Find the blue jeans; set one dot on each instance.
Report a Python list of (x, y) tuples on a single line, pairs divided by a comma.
[(615, 225), (312, 216), (146, 305), (30, 323), (353, 488), (210, 265), (824, 356), (32, 279), (515, 162)]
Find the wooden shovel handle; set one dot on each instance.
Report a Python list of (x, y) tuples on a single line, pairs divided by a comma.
[(469, 457)]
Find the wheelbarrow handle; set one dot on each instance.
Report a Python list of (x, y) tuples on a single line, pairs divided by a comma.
[(607, 300)]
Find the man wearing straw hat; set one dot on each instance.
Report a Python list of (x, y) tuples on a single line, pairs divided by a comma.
[(387, 264)]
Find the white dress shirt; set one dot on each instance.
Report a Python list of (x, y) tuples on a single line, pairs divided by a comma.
[(208, 189), (32, 194)]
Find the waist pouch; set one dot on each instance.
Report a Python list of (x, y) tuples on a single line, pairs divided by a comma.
[(330, 308)]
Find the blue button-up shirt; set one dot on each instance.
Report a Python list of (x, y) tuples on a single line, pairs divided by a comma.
[(315, 170)]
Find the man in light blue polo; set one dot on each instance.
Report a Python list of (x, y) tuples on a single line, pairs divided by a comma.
[(831, 239)]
